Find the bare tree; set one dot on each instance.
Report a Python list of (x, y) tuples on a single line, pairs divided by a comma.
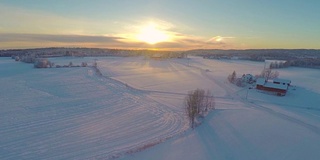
[(208, 102), (84, 64), (267, 73), (197, 104)]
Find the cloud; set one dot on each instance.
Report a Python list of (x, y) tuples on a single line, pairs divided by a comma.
[(218, 39), (15, 40), (7, 37), (21, 20), (190, 42), (194, 42), (178, 39), (183, 42), (21, 28)]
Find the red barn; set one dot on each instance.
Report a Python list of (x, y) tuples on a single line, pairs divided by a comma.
[(279, 87)]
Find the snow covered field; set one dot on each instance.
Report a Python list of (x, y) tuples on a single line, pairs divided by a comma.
[(134, 111)]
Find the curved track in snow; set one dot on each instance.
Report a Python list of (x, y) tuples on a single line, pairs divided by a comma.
[(70, 113)]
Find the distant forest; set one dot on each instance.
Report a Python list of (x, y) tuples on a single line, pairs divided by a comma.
[(294, 57)]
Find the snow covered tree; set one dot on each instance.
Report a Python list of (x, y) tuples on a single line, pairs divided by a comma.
[(232, 77), (41, 63), (51, 64), (239, 82)]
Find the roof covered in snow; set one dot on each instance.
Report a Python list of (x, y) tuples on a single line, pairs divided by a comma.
[(261, 81)]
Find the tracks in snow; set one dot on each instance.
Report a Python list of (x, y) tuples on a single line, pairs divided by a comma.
[(103, 120)]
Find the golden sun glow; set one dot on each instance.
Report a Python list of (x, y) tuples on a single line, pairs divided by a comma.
[(152, 35), (219, 39)]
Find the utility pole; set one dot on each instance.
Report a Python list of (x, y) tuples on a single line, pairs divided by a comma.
[(248, 92)]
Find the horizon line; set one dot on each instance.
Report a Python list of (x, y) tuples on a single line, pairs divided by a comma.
[(148, 49)]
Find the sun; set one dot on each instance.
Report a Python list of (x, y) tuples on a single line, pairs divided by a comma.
[(152, 35)]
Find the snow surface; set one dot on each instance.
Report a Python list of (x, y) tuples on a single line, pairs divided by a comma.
[(134, 111)]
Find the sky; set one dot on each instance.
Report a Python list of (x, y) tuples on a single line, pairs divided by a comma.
[(160, 24)]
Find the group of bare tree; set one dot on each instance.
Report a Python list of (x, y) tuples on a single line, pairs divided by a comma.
[(197, 104), (268, 73), (279, 64)]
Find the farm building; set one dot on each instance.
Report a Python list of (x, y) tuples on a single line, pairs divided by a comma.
[(278, 86)]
